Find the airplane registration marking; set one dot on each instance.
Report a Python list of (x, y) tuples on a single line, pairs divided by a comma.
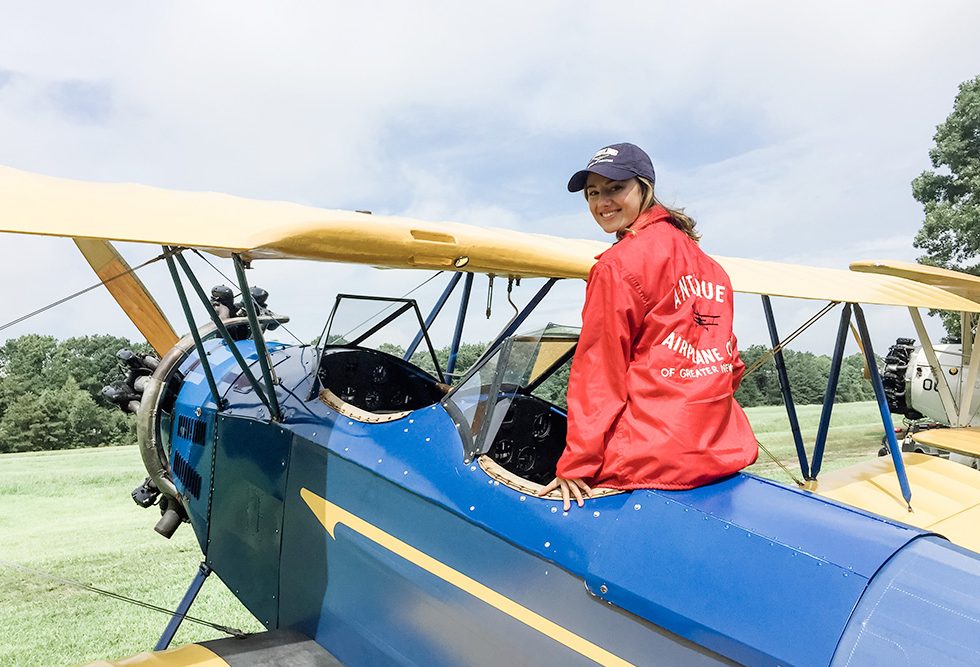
[(330, 515)]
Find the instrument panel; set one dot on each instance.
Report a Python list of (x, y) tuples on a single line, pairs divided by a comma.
[(530, 439), (376, 381)]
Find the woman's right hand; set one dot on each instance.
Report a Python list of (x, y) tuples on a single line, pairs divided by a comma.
[(569, 487)]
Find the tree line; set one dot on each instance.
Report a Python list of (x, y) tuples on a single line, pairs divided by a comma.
[(807, 373), (50, 390), (50, 393)]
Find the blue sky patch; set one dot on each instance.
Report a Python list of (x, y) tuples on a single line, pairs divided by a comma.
[(84, 102)]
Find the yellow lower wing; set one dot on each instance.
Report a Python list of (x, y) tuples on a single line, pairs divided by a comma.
[(191, 655), (960, 440), (945, 495), (129, 292)]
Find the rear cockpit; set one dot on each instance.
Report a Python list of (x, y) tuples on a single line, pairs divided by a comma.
[(510, 406)]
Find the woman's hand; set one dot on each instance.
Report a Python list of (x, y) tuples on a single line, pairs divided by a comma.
[(569, 487)]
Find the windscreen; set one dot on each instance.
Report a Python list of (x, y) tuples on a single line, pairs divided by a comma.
[(534, 364)]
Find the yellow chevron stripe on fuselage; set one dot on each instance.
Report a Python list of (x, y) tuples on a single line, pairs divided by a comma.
[(330, 515)]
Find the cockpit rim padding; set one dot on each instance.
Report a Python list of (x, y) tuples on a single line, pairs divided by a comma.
[(359, 414), (500, 474)]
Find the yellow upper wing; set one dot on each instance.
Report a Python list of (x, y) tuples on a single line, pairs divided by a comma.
[(963, 284), (223, 224), (35, 204)]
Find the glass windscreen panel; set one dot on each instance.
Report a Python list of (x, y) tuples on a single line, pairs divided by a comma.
[(388, 325), (531, 364)]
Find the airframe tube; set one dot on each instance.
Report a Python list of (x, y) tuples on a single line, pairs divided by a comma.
[(156, 459)]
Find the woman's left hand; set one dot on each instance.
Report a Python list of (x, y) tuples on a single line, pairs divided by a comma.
[(575, 486)]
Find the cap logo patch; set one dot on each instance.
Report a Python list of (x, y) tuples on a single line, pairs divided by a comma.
[(604, 155)]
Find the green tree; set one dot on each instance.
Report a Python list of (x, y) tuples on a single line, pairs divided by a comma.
[(50, 393), (91, 360), (950, 195), (25, 367)]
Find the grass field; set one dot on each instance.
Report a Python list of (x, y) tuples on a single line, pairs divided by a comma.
[(68, 513)]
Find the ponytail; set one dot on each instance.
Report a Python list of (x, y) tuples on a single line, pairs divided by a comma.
[(678, 218)]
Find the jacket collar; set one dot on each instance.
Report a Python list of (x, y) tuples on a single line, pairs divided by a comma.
[(651, 216)]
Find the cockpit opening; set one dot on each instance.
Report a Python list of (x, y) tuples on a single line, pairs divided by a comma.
[(511, 406), (379, 386), (363, 372)]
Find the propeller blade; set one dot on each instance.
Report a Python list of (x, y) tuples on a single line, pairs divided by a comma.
[(857, 339)]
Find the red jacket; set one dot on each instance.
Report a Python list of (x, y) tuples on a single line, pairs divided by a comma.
[(650, 396)]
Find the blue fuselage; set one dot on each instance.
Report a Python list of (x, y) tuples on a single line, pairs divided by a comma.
[(386, 545)]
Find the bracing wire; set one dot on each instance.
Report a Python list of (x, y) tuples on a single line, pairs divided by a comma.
[(390, 305), (234, 632), (764, 359), (779, 463), (235, 282), (101, 283)]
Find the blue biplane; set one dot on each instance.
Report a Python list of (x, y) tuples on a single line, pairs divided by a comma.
[(369, 510)]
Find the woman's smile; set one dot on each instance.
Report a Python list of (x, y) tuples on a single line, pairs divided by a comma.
[(614, 204)]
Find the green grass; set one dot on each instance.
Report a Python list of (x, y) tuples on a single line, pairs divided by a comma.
[(855, 435), (69, 513)]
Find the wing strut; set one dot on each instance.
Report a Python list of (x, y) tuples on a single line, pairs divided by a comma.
[(777, 357), (464, 302), (260, 349), (129, 292), (830, 394), (945, 395), (201, 353), (433, 314), (229, 341), (886, 417)]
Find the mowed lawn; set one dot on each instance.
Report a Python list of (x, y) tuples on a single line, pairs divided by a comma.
[(69, 513)]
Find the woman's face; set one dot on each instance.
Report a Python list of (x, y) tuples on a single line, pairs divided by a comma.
[(614, 204)]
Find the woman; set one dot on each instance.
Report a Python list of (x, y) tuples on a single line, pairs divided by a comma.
[(650, 396)]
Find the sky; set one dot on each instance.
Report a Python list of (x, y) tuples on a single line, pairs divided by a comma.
[(789, 131)]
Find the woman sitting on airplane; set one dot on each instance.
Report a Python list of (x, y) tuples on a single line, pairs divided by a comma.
[(651, 393)]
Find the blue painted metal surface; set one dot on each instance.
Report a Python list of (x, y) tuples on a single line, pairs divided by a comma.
[(727, 570), (195, 403), (773, 538), (245, 535), (828, 400), (921, 609), (185, 604), (777, 357)]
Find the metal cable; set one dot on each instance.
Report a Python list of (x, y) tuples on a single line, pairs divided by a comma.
[(101, 283), (234, 632), (238, 293), (786, 470), (761, 361)]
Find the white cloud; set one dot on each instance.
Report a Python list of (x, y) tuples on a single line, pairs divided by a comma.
[(790, 131)]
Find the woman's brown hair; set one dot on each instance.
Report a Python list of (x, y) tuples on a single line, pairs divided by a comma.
[(678, 218)]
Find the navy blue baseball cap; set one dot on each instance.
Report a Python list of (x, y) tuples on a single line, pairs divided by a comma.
[(619, 162)]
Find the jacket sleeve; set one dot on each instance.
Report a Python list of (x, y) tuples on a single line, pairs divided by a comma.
[(611, 318)]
